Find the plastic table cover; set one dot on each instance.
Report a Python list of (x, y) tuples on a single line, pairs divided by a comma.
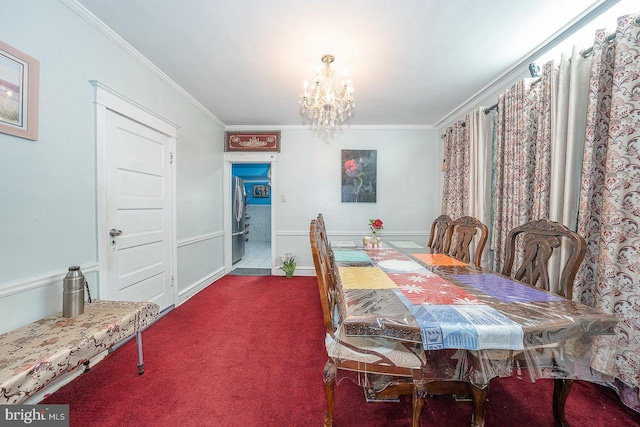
[(474, 324)]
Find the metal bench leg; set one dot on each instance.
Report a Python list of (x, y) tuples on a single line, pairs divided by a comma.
[(140, 360)]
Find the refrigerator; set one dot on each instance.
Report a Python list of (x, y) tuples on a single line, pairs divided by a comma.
[(237, 218)]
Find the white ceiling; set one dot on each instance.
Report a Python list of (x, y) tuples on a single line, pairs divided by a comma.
[(412, 62)]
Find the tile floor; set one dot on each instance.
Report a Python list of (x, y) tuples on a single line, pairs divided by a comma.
[(256, 255)]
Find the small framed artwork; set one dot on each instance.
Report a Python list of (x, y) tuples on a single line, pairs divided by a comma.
[(252, 141), (19, 79), (359, 176), (260, 191)]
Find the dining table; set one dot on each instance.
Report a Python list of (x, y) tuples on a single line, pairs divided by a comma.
[(474, 324)]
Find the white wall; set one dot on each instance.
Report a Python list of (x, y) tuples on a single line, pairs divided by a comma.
[(309, 177), (260, 223), (48, 187)]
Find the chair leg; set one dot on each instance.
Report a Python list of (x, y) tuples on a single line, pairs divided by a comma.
[(329, 378), (478, 396), (419, 392), (561, 389)]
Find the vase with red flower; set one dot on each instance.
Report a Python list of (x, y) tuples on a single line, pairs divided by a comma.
[(375, 225)]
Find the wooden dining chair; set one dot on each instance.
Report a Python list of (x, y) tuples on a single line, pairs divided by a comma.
[(534, 244), (373, 359), (460, 237), (322, 229), (437, 238)]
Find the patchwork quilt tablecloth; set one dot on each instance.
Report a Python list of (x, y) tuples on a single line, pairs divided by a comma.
[(448, 315), (469, 320)]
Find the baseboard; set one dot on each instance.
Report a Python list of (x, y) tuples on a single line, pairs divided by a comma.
[(300, 271), (193, 289)]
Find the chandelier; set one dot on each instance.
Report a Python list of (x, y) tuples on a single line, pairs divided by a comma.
[(327, 101)]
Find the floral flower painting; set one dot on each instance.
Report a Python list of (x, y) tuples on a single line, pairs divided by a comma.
[(359, 175)]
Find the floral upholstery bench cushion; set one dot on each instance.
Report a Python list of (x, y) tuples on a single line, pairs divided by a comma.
[(37, 353)]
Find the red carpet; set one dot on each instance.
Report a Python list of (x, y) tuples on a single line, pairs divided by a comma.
[(249, 351)]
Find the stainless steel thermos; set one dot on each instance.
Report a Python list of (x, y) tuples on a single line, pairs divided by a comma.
[(73, 293)]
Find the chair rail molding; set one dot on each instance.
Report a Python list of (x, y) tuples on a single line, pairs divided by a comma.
[(48, 279), (201, 238)]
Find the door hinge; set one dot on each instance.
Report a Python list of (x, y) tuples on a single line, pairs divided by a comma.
[(170, 158), (172, 281)]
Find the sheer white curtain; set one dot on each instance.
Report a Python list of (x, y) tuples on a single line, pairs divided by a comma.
[(480, 162), (570, 92), (560, 104)]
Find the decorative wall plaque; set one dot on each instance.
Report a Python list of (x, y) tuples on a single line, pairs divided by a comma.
[(252, 141)]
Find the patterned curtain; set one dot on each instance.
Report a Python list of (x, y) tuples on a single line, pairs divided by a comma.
[(515, 164), (455, 188), (527, 150), (609, 214), (541, 98)]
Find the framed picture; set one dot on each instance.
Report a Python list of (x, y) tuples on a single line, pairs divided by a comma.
[(252, 141), (260, 191), (359, 176), (19, 78)]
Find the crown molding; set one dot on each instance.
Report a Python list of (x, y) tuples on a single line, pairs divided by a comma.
[(522, 66), (96, 23), (338, 129)]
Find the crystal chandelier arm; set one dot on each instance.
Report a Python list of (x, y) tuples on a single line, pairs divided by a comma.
[(326, 101)]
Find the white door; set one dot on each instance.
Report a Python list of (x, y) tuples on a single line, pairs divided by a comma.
[(138, 168)]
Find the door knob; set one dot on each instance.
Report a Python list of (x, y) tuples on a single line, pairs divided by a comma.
[(113, 232)]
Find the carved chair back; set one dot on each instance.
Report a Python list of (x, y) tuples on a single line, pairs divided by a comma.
[(460, 238), (437, 239), (535, 243)]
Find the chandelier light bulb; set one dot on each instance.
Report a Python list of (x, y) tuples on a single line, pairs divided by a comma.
[(327, 101)]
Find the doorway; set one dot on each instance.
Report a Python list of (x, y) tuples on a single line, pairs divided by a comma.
[(255, 179), (257, 172), (135, 202)]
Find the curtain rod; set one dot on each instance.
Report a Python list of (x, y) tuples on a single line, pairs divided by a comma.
[(585, 53), (611, 37), (463, 124), (495, 106)]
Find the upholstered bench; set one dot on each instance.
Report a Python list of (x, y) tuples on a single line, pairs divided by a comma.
[(37, 353)]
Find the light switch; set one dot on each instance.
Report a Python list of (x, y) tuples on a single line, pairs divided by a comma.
[(283, 199)]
